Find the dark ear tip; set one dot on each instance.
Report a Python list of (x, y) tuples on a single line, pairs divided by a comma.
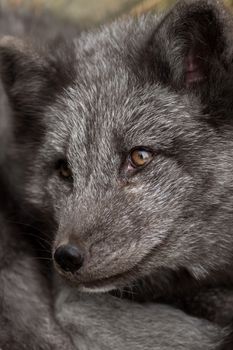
[(212, 3), (15, 55), (216, 6)]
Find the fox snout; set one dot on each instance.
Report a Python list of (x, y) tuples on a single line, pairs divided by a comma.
[(69, 258)]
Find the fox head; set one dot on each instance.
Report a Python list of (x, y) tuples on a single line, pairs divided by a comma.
[(124, 136)]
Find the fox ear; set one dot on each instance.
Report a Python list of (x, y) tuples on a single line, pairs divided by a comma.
[(33, 75), (190, 46), (22, 72)]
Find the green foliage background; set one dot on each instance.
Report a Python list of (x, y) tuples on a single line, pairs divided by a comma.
[(89, 12)]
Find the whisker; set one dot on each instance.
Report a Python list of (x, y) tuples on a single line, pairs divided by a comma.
[(29, 225), (41, 258), (37, 237)]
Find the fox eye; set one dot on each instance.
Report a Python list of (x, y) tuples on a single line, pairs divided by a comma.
[(140, 157), (64, 170)]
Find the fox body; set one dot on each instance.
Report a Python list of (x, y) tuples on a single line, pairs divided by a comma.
[(122, 141)]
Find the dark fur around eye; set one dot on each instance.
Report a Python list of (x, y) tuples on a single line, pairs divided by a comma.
[(63, 170)]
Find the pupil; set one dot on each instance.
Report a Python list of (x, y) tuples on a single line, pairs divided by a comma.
[(142, 155)]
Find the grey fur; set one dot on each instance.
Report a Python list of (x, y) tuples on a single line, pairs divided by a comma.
[(111, 323), (26, 312), (91, 102), (28, 319)]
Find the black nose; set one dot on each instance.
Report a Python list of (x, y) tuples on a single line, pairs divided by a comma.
[(69, 257)]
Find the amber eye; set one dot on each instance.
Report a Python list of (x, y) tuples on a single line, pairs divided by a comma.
[(140, 157), (64, 170)]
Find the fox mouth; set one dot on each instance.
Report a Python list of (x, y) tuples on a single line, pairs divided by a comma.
[(112, 282), (108, 283), (102, 284)]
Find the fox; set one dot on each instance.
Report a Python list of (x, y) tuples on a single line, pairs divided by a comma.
[(28, 317), (122, 144)]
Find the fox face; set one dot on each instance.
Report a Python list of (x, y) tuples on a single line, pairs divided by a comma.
[(125, 140)]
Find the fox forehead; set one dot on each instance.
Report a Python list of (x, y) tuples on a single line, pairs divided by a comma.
[(119, 117), (109, 105)]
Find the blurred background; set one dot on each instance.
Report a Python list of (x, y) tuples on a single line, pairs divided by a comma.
[(87, 13)]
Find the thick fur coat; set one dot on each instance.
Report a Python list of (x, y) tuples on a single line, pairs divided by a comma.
[(160, 85)]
